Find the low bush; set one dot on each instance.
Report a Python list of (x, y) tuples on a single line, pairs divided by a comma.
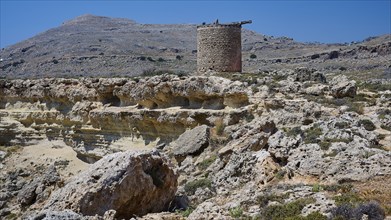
[(219, 126), (191, 187), (286, 211), (263, 200), (312, 135), (186, 212), (341, 125), (236, 212), (349, 198), (293, 132), (367, 124), (346, 211), (203, 165)]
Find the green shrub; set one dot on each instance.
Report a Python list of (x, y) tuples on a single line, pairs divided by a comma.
[(150, 59), (160, 59), (253, 56), (367, 124), (316, 188), (263, 200), (191, 187), (186, 212), (179, 57), (286, 211), (236, 212)]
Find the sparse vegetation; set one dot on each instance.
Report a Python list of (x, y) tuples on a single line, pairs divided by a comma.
[(326, 143), (312, 134), (236, 212), (207, 162), (356, 107), (191, 187), (375, 87), (280, 174), (372, 209), (293, 132), (9, 150), (219, 126), (383, 113), (291, 210), (264, 199), (186, 212), (349, 198), (342, 125), (333, 153), (316, 188), (385, 127)]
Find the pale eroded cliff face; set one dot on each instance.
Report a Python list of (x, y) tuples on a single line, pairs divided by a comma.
[(96, 116)]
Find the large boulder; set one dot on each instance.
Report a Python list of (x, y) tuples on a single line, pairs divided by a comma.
[(131, 183), (341, 87), (192, 141)]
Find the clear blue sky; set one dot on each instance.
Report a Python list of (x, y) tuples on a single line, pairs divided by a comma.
[(307, 21)]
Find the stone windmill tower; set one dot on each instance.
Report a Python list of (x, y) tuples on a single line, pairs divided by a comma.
[(219, 47)]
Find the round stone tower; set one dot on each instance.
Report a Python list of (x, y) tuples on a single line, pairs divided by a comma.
[(219, 47)]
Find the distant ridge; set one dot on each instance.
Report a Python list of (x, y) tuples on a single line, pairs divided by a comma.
[(91, 45)]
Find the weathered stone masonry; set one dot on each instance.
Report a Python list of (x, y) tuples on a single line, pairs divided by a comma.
[(219, 47)]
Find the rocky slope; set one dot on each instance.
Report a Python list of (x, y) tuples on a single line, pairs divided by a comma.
[(295, 143), (100, 46)]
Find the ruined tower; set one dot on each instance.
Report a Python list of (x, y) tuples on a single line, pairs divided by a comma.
[(219, 47)]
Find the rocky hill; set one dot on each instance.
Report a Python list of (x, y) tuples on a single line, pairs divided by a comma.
[(100, 46), (305, 134)]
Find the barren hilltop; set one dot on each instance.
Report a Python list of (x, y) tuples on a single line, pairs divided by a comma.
[(105, 118)]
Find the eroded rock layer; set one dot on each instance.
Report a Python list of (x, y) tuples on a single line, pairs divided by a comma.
[(92, 114)]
